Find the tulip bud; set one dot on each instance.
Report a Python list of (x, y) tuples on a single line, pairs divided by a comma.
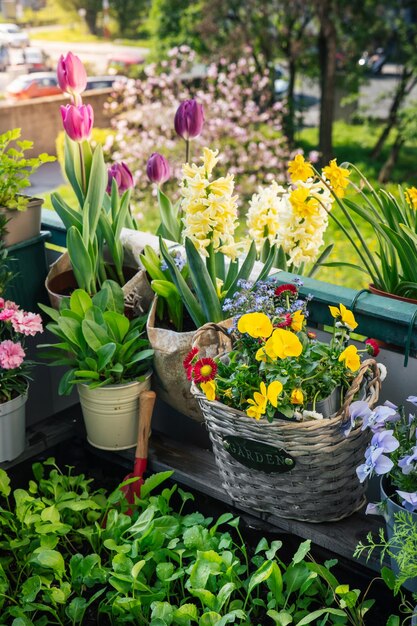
[(71, 74), (189, 119), (157, 168), (122, 175), (78, 121)]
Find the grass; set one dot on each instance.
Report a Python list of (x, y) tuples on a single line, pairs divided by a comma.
[(77, 34)]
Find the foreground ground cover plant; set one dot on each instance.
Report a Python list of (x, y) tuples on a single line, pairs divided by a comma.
[(71, 555)]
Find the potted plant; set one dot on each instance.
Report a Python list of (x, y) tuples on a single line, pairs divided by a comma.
[(103, 198), (15, 326), (23, 212), (276, 402), (108, 359), (392, 454)]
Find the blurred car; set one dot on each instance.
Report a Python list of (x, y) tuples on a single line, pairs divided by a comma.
[(33, 86), (36, 60), (4, 58), (123, 63), (280, 82), (102, 82), (13, 36)]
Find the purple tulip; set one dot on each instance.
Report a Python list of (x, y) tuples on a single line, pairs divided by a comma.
[(122, 175), (71, 74), (78, 121), (157, 168), (189, 119)]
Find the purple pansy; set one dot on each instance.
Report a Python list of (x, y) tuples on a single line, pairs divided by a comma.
[(376, 461), (410, 500), (412, 399), (407, 462), (377, 418), (357, 410), (373, 509)]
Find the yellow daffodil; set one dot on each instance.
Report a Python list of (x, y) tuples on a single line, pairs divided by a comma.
[(411, 197), (209, 389), (302, 203), (351, 358), (297, 321), (297, 396), (337, 176), (345, 316), (255, 324), (285, 343), (300, 169)]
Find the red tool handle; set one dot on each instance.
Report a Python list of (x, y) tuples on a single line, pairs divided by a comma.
[(146, 404)]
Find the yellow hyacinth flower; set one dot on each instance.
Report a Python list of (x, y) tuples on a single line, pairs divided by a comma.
[(337, 176), (345, 316), (303, 205), (351, 358), (255, 324), (209, 159), (285, 343), (209, 389), (297, 396), (411, 197), (297, 321), (300, 169)]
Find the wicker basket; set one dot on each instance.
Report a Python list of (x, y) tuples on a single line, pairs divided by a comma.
[(317, 479)]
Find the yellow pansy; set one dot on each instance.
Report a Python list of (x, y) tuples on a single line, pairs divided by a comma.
[(255, 324), (337, 176), (297, 396), (411, 197), (285, 344), (258, 404), (345, 316), (273, 391), (299, 169), (297, 321), (303, 205), (351, 358), (209, 389)]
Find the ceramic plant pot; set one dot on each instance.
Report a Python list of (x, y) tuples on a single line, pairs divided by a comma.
[(12, 428), (379, 292), (111, 413), (23, 225)]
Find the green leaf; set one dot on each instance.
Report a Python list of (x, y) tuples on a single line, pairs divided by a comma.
[(316, 614), (245, 270), (185, 614), (169, 221), (115, 298), (283, 618), (162, 611), (82, 264), (302, 552), (104, 355), (80, 302), (153, 482), (4, 483), (393, 620), (71, 329), (50, 559), (211, 618), (203, 285), (118, 325), (261, 574), (95, 335)]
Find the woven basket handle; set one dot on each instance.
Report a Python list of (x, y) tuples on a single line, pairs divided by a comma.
[(372, 388), (218, 328)]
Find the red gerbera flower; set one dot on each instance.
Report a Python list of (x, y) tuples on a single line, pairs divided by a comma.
[(287, 287), (286, 321), (204, 370), (372, 347), (188, 359)]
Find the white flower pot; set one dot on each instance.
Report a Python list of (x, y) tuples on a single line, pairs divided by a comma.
[(111, 413), (12, 428)]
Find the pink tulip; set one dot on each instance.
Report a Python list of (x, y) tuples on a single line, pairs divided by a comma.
[(189, 119), (122, 175), (71, 74), (78, 121), (157, 168)]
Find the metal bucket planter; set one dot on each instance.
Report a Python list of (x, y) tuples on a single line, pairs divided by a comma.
[(389, 514), (12, 428), (23, 225), (111, 413)]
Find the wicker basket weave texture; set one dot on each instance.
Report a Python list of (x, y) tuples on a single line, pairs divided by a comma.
[(323, 485)]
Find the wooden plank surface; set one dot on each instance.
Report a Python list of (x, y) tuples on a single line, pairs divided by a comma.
[(196, 469)]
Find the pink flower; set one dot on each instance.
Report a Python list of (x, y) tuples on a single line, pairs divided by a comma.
[(71, 74), (1, 303), (11, 355), (27, 323), (11, 305), (7, 314), (78, 121)]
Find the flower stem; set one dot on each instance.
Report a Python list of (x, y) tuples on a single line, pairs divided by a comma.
[(187, 150), (82, 168)]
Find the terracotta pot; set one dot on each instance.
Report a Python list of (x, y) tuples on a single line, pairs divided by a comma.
[(23, 225), (379, 292)]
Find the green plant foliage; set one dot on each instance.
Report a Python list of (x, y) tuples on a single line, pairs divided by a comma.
[(70, 555), (16, 169), (97, 342)]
